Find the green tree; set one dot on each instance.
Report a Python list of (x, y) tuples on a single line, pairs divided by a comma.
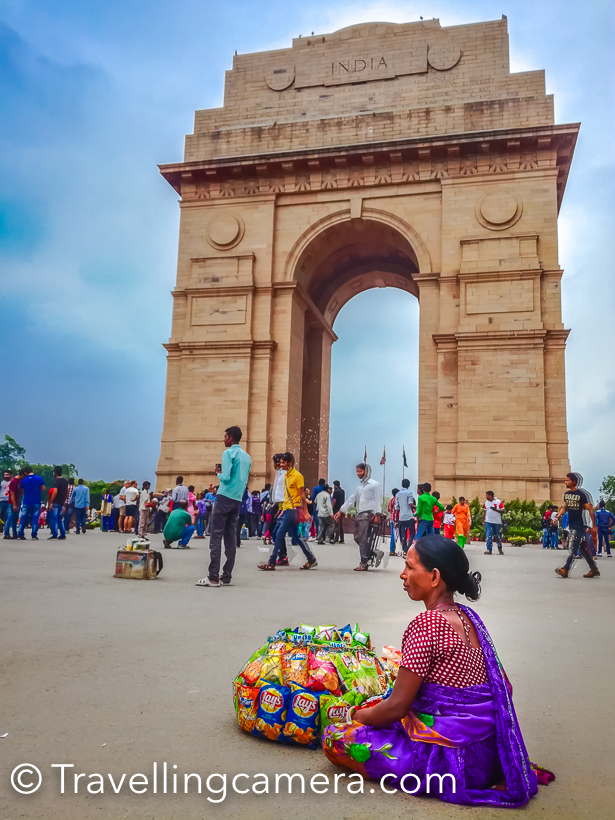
[(69, 471), (11, 454), (607, 491)]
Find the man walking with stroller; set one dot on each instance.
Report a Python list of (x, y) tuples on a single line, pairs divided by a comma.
[(367, 500)]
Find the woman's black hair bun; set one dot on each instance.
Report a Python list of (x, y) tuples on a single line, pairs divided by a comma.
[(436, 552), (470, 586)]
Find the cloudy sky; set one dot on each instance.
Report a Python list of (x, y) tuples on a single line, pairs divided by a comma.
[(94, 95)]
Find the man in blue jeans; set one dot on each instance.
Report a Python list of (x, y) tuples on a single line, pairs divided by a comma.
[(32, 486), (4, 496), (14, 504), (604, 521), (57, 500), (80, 499), (179, 527), (492, 510)]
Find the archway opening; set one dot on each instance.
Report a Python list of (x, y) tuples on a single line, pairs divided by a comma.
[(375, 405), (340, 262)]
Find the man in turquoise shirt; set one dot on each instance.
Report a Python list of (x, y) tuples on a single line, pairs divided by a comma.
[(233, 475)]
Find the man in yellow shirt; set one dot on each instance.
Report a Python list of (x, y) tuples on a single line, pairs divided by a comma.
[(294, 509)]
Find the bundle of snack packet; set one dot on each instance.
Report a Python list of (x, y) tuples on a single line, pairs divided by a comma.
[(322, 671), (247, 706), (303, 717), (334, 709), (327, 634), (273, 663), (296, 666), (361, 639), (347, 666), (366, 679), (383, 676), (272, 710), (251, 672), (346, 634)]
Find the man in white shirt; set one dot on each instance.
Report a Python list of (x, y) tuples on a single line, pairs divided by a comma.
[(131, 494), (324, 507), (122, 507), (144, 512), (180, 493), (4, 499), (405, 503), (367, 500), (277, 498), (492, 511)]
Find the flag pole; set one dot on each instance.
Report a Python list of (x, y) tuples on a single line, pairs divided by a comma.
[(403, 463), (384, 472)]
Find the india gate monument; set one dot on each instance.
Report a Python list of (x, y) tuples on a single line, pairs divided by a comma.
[(382, 155)]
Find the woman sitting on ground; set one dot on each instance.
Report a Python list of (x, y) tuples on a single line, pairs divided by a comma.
[(450, 711)]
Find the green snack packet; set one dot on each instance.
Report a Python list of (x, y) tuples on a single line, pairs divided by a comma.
[(326, 634), (334, 709), (306, 629), (347, 667), (367, 681), (361, 639)]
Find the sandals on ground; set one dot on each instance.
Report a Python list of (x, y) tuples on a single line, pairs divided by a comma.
[(266, 567), (361, 568), (310, 564)]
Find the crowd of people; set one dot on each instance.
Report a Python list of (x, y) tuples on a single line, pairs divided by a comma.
[(229, 511)]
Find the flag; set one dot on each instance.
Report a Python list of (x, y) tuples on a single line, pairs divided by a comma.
[(404, 456), (365, 455), (383, 460)]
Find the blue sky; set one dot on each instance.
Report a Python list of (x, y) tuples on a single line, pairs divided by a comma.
[(94, 95)]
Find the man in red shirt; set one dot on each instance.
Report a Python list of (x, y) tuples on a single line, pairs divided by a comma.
[(15, 494)]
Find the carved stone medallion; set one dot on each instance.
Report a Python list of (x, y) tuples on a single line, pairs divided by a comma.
[(443, 57), (280, 77), (224, 231), (499, 210)]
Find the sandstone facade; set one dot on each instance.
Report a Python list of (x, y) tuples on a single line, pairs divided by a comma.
[(381, 155)]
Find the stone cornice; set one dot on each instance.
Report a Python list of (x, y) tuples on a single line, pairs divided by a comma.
[(216, 349), (391, 162)]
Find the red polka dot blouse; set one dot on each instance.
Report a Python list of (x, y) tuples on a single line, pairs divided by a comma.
[(435, 651)]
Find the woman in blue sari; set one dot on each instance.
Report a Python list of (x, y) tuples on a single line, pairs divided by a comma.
[(449, 727)]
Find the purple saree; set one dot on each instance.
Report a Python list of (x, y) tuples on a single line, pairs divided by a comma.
[(470, 733)]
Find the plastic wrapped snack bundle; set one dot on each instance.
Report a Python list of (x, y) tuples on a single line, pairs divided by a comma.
[(303, 679)]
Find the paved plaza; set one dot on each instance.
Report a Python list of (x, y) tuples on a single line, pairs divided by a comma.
[(113, 676)]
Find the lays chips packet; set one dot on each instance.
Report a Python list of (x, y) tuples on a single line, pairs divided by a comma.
[(271, 712), (247, 706), (303, 720), (335, 709)]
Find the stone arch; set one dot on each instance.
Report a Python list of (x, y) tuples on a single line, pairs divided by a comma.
[(334, 260), (344, 215)]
